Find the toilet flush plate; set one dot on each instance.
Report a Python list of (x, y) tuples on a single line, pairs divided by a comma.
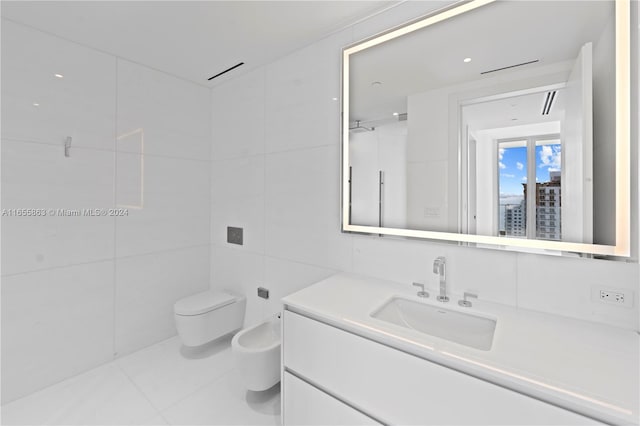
[(234, 235)]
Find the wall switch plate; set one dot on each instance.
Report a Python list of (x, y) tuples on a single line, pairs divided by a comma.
[(234, 235), (612, 296)]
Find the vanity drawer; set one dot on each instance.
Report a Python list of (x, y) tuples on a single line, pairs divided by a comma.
[(394, 387), (305, 404)]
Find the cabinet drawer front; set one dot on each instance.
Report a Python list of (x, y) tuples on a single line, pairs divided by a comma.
[(305, 404), (397, 388)]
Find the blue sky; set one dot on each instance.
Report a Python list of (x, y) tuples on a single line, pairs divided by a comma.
[(513, 169)]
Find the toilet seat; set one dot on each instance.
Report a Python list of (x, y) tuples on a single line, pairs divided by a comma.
[(202, 303)]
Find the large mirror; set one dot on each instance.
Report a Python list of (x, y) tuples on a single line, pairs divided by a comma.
[(493, 122)]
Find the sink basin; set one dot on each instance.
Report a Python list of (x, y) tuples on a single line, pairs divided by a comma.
[(467, 329)]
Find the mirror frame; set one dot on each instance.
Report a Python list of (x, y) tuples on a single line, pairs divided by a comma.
[(622, 247)]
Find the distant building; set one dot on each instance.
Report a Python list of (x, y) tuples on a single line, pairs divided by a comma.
[(515, 220), (548, 207)]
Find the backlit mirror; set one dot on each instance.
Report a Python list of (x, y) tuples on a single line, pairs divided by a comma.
[(493, 122)]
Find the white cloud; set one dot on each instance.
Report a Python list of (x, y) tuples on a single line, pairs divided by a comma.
[(500, 153), (502, 165), (524, 178), (507, 175), (519, 165), (550, 156)]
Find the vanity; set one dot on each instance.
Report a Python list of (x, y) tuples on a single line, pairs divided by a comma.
[(359, 350)]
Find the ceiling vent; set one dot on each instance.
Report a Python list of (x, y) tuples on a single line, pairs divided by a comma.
[(549, 99), (510, 66), (226, 71), (403, 116)]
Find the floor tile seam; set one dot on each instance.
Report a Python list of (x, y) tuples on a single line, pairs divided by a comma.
[(195, 391), (138, 388)]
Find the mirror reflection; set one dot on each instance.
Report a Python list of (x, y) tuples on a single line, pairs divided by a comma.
[(497, 122)]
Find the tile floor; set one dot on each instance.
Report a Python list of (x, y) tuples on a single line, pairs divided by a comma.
[(164, 384)]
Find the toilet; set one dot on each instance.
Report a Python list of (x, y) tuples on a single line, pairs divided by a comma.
[(206, 316), (256, 351)]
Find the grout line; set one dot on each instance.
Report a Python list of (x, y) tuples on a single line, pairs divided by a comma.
[(263, 260), (54, 144), (279, 258), (138, 388), (210, 271), (517, 301), (265, 154), (104, 260), (91, 148), (198, 389), (163, 251), (115, 220)]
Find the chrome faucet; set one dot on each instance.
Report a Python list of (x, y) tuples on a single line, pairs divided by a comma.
[(439, 267)]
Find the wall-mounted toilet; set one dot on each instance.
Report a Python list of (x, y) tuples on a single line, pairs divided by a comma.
[(257, 354), (206, 316)]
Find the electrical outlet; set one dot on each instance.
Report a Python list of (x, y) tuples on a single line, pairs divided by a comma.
[(614, 296)]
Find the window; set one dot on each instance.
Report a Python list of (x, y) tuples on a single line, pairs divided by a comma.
[(529, 184)]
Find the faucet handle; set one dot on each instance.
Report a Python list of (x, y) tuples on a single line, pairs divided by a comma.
[(464, 302), (421, 293)]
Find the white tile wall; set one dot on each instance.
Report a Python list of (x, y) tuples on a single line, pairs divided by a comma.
[(175, 213), (141, 140), (298, 208), (173, 113), (55, 324), (147, 286), (302, 205), (300, 110), (564, 286), (238, 117), (237, 188), (39, 176), (242, 272), (492, 274), (284, 277), (76, 105)]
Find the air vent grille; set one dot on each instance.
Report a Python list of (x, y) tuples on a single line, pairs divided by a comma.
[(549, 99), (226, 71), (510, 66)]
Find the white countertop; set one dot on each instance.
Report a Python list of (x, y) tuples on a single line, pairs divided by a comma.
[(585, 367)]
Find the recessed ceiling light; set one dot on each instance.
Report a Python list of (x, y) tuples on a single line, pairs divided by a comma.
[(395, 113), (376, 83), (59, 75), (36, 104), (334, 99), (467, 60), (514, 119)]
